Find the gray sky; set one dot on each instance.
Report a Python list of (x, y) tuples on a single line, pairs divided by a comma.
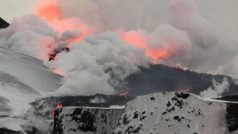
[(221, 13), (15, 8)]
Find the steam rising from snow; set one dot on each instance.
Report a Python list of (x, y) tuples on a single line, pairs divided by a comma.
[(217, 90)]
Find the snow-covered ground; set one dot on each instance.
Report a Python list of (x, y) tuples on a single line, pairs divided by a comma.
[(169, 113), (28, 70), (22, 80), (158, 113), (87, 120)]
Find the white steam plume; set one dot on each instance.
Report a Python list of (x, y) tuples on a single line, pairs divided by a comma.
[(33, 36), (97, 64), (113, 14), (217, 90), (211, 51), (162, 44), (29, 35)]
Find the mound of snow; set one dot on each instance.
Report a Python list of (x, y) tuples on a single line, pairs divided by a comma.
[(169, 113), (22, 80)]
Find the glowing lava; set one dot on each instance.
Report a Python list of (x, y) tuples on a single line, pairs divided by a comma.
[(70, 30), (50, 11), (143, 42)]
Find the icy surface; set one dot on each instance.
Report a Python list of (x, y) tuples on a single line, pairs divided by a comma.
[(22, 80)]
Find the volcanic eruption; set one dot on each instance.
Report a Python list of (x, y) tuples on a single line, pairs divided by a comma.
[(104, 53)]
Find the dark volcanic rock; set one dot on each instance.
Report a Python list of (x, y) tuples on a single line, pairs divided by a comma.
[(86, 120), (161, 78), (43, 108), (229, 98), (3, 23), (232, 116), (7, 131), (232, 111), (98, 100)]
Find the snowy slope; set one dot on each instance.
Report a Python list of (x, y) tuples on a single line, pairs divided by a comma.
[(87, 120), (14, 102), (15, 95), (22, 80), (28, 70), (158, 113), (170, 113)]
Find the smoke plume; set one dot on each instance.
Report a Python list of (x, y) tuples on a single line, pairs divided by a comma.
[(97, 64), (209, 51), (217, 90)]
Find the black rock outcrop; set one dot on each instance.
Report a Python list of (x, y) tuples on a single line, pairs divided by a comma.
[(7, 131), (3, 23), (161, 78), (95, 120)]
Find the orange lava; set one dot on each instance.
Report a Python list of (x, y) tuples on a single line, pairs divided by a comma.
[(142, 42), (59, 106), (50, 11), (58, 71)]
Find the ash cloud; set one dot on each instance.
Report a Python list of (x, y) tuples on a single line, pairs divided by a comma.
[(94, 65), (211, 50), (29, 35), (204, 47), (97, 64), (113, 14)]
